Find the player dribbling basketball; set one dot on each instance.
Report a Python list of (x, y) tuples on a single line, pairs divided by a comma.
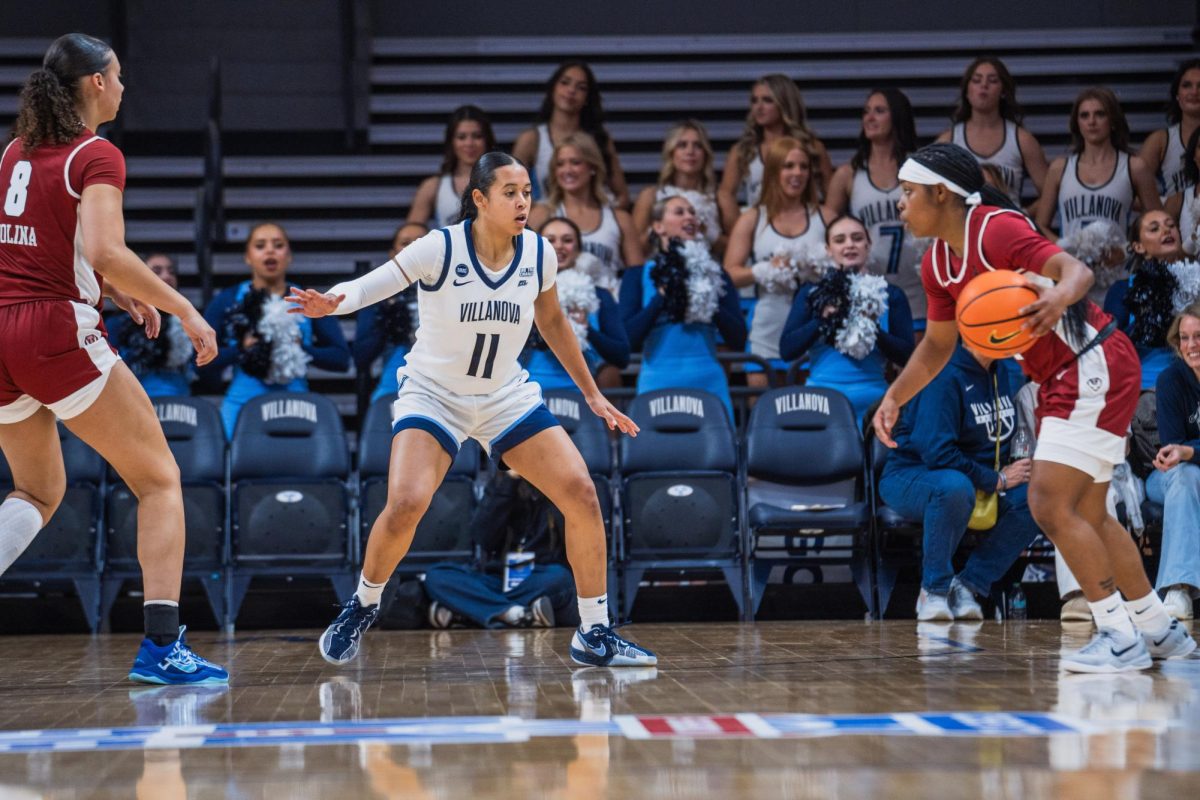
[(1089, 376)]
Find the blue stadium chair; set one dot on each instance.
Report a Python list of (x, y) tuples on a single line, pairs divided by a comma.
[(444, 532), (290, 507), (70, 547), (197, 441), (595, 443), (805, 484), (679, 495)]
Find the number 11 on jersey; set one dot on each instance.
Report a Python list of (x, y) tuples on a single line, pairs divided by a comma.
[(477, 355)]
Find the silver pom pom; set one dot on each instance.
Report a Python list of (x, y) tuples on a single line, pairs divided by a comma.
[(1187, 284), (704, 283), (868, 301), (577, 295), (277, 326), (179, 348), (1100, 245), (1189, 225)]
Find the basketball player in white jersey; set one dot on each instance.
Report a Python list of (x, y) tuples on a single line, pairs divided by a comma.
[(987, 122), (1164, 151), (1099, 179), (438, 198), (481, 284)]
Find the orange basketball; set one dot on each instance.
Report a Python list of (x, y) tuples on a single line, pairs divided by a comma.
[(988, 313)]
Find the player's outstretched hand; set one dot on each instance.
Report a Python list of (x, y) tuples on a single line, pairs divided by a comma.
[(204, 339), (608, 412), (147, 316), (312, 303), (885, 419), (1046, 311)]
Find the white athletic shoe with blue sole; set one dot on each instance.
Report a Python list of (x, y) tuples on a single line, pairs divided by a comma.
[(1175, 643), (601, 647), (1109, 652)]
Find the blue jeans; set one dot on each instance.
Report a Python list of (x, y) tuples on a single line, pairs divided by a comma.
[(480, 597), (943, 500), (1178, 489)]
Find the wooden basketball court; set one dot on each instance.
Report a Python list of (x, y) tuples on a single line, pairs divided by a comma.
[(778, 709)]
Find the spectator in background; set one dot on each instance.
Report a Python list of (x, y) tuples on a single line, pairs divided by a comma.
[(1175, 481), (386, 328), (987, 122), (592, 311), (1184, 206), (1141, 303), (163, 365), (676, 303), (512, 518), (869, 188), (575, 190), (776, 110), (268, 348), (824, 313), (1163, 150), (438, 198), (687, 170), (777, 247), (946, 451), (571, 104)]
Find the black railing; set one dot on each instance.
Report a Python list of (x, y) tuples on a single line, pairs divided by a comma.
[(209, 215)]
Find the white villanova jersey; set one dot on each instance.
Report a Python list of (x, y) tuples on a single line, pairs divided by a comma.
[(474, 322)]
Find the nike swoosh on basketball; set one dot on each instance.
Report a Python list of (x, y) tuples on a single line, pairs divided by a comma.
[(994, 339)]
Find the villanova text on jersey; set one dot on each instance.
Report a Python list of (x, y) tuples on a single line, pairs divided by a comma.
[(487, 310), (1092, 207), (878, 212)]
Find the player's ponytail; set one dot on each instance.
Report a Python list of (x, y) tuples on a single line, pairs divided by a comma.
[(483, 175), (49, 112)]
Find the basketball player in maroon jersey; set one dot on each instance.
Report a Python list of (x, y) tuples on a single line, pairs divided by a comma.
[(1089, 376), (62, 248)]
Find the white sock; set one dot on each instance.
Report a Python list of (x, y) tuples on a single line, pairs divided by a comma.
[(593, 611), (368, 593), (1149, 614), (513, 615), (1110, 614), (19, 523)]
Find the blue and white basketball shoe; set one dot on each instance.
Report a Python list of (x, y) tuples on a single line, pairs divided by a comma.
[(174, 664), (339, 644), (602, 647)]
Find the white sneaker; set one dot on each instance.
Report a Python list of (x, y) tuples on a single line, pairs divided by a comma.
[(962, 601), (1108, 651), (1178, 602), (933, 608), (1075, 608), (1175, 643)]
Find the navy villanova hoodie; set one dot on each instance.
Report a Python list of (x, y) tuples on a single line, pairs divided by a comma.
[(950, 423), (1177, 400)]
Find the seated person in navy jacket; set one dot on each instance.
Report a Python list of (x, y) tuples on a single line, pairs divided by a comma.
[(512, 517), (946, 451)]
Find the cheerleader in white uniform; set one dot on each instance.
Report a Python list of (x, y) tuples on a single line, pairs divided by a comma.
[(869, 188), (1185, 206), (987, 122), (1164, 150), (468, 136), (575, 190), (482, 283), (776, 110), (572, 103), (778, 245), (687, 171)]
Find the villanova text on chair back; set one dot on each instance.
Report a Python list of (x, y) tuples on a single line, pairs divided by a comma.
[(803, 435)]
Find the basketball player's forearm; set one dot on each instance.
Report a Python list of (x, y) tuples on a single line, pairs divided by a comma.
[(379, 284), (927, 361), (1073, 278), (126, 272)]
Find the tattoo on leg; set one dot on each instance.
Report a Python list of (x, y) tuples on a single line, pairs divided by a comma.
[(1109, 585)]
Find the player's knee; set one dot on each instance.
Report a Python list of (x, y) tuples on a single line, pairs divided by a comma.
[(403, 511), (579, 496), (1047, 512), (157, 478)]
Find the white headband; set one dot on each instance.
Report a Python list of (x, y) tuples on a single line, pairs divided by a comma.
[(915, 172)]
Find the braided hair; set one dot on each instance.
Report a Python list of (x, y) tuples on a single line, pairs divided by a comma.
[(958, 165)]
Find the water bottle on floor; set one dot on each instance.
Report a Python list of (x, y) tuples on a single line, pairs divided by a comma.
[(1016, 603)]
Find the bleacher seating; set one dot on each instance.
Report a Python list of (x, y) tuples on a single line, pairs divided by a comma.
[(444, 532), (290, 499), (197, 441)]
